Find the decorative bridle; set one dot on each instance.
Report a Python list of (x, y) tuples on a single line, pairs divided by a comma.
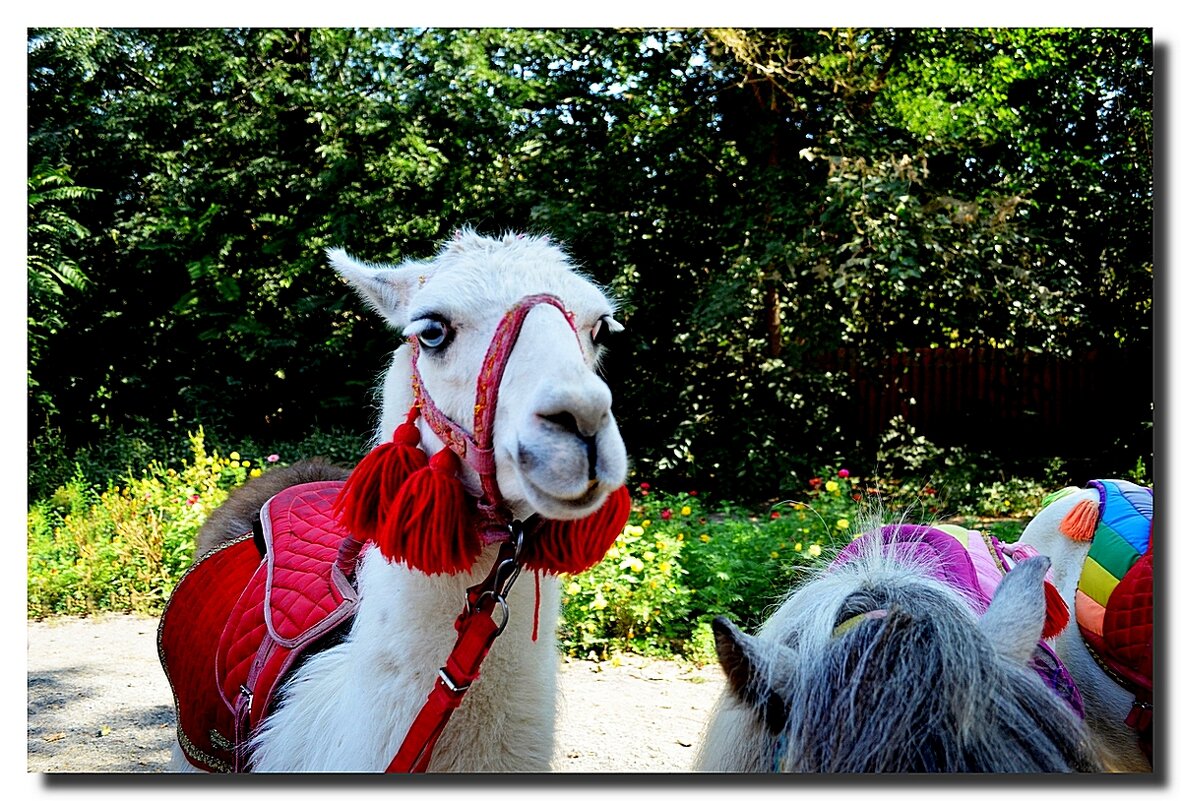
[(475, 449), (417, 512)]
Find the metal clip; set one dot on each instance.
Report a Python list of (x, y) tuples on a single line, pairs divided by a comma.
[(450, 682)]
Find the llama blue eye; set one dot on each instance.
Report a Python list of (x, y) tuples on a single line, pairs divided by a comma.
[(432, 333)]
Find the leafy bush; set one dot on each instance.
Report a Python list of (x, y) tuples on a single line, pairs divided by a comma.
[(679, 564), (124, 548)]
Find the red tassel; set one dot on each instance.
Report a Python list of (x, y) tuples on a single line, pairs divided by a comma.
[(367, 496), (1057, 613), (572, 546), (429, 526)]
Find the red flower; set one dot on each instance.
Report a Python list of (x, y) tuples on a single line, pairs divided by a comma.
[(856, 496), (843, 473), (665, 514), (775, 515), (693, 493), (815, 482), (644, 485), (193, 499)]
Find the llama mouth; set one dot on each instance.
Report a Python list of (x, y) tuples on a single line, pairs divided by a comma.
[(558, 507)]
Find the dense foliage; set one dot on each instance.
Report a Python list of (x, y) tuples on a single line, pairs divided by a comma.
[(755, 198)]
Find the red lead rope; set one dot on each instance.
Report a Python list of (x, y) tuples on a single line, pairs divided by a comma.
[(477, 630)]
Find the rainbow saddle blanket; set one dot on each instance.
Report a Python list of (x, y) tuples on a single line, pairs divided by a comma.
[(1113, 604)]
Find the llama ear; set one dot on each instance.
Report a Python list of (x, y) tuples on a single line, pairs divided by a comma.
[(1014, 619), (384, 288), (754, 669)]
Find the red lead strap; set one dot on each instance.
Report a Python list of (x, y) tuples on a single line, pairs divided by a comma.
[(477, 630)]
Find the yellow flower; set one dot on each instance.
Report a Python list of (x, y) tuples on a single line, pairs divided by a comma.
[(234, 455), (598, 603), (680, 536), (646, 523), (686, 511), (842, 524), (246, 463), (831, 486), (573, 588), (813, 550), (774, 554), (799, 546), (665, 568), (797, 506), (649, 556), (633, 564), (633, 531), (234, 463), (255, 473), (705, 538)]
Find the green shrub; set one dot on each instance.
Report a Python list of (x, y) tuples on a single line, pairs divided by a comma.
[(124, 548), (679, 563)]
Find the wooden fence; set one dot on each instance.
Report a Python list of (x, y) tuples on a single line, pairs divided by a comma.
[(1016, 404)]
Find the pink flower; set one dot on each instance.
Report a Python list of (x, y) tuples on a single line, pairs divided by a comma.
[(645, 485), (193, 499), (274, 457), (843, 473), (666, 514)]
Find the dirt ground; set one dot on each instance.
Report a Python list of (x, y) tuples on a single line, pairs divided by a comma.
[(98, 702)]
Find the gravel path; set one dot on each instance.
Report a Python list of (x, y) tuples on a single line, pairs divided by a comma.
[(98, 702)]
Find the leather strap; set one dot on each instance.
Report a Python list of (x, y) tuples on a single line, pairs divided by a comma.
[(477, 629)]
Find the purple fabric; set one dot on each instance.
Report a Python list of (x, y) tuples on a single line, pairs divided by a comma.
[(924, 544)]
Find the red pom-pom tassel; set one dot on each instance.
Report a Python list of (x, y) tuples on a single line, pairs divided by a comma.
[(430, 522), (572, 546), (367, 497), (1057, 613)]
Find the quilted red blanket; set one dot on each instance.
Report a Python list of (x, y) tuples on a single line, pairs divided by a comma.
[(240, 617)]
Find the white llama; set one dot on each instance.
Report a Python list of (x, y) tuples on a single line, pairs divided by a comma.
[(1065, 531), (558, 454)]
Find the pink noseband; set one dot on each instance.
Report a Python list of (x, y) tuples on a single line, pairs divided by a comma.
[(476, 449)]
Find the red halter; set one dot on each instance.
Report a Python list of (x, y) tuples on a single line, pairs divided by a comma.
[(476, 448)]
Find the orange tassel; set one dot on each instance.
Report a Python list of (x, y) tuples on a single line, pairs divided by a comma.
[(363, 504), (572, 546), (429, 525), (1057, 613), (1079, 524)]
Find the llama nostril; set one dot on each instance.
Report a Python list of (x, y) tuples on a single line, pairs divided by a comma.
[(564, 421), (568, 423)]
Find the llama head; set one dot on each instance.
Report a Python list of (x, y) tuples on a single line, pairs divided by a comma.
[(558, 451), (876, 666)]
